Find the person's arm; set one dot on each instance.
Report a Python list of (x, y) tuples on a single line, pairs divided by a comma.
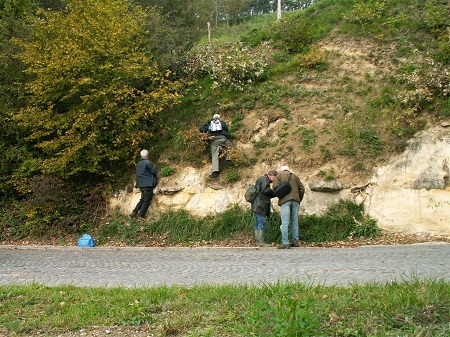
[(224, 126), (269, 192), (275, 182), (225, 129), (151, 168), (204, 128), (266, 189)]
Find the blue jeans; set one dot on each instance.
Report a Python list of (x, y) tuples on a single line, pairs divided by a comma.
[(289, 214), (260, 221)]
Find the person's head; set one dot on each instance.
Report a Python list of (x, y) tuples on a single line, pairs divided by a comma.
[(216, 117), (284, 168), (272, 174), (144, 154)]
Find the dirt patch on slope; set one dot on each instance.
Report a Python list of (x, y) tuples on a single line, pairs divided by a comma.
[(307, 131)]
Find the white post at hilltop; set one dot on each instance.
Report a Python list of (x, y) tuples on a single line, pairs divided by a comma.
[(209, 32), (279, 10)]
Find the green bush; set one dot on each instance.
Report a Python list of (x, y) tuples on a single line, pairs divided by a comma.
[(436, 17), (232, 175), (442, 54), (424, 82), (167, 171), (313, 59), (256, 36), (53, 208), (365, 12), (341, 221), (294, 34), (233, 65)]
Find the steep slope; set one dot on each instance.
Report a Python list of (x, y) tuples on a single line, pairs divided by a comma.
[(340, 119), (318, 110)]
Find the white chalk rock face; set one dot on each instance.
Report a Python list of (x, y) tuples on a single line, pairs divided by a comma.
[(410, 195)]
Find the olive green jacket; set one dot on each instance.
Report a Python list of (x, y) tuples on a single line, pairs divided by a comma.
[(298, 190)]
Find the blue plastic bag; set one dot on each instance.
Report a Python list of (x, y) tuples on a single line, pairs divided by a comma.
[(86, 241)]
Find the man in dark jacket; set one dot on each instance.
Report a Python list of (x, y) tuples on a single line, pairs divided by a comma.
[(146, 180), (261, 205), (289, 207), (217, 131)]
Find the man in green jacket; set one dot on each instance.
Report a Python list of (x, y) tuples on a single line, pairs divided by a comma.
[(289, 206), (261, 205)]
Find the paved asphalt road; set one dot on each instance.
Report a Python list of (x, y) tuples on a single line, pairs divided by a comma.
[(136, 267)]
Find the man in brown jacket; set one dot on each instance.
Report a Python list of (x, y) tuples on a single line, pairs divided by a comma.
[(289, 206)]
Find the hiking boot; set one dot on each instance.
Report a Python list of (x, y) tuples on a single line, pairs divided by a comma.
[(228, 163), (294, 244), (140, 218), (133, 215), (285, 246), (215, 174)]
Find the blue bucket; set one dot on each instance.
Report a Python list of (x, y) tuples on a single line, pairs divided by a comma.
[(86, 241)]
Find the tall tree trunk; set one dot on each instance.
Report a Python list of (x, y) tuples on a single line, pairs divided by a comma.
[(279, 10)]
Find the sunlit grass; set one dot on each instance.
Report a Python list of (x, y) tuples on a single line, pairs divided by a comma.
[(408, 308)]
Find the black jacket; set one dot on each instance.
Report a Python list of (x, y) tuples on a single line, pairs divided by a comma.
[(224, 132), (145, 174), (261, 204)]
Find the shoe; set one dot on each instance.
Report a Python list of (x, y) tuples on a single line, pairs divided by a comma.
[(259, 238), (215, 174), (140, 218), (133, 215), (228, 163), (285, 246), (294, 244)]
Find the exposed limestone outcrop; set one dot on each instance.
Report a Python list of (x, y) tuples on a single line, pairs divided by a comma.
[(411, 194), (325, 186)]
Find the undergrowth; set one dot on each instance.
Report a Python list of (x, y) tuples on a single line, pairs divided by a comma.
[(178, 227)]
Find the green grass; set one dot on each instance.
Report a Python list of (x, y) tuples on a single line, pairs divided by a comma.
[(341, 221), (408, 308)]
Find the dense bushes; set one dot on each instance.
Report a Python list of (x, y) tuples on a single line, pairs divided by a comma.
[(294, 34), (53, 209), (234, 66)]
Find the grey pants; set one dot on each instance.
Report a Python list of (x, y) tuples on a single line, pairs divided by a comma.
[(216, 143)]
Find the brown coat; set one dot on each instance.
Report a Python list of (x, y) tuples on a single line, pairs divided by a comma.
[(298, 190)]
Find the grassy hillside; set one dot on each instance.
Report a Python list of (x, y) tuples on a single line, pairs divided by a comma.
[(347, 83)]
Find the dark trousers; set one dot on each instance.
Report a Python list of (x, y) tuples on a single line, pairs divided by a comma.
[(143, 204)]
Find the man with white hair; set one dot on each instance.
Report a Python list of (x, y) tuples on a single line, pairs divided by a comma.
[(146, 180), (218, 135), (289, 206)]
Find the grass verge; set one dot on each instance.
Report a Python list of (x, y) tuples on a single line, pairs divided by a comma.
[(408, 308)]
